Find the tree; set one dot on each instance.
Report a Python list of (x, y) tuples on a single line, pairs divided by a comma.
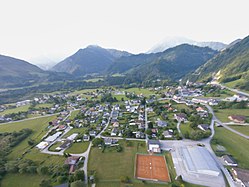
[(42, 170), (77, 183), (45, 183), (61, 179), (97, 141), (79, 175), (149, 132), (124, 179), (150, 125), (119, 148)]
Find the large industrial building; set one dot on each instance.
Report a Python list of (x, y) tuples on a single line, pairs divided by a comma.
[(198, 160)]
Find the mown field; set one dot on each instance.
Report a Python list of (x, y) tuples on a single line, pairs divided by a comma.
[(25, 151), (110, 166), (15, 110), (145, 92), (235, 145), (22, 180), (78, 147), (38, 126), (223, 114), (241, 129)]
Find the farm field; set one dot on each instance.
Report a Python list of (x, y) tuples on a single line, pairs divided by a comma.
[(235, 145), (223, 114), (15, 110), (185, 128), (77, 148), (105, 162), (75, 130), (73, 114), (241, 129), (38, 126), (20, 180), (145, 92)]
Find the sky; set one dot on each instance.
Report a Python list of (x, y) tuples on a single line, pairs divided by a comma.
[(38, 30)]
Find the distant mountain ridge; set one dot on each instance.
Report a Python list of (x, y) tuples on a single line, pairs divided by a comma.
[(90, 60), (172, 64), (229, 65), (17, 73), (175, 41)]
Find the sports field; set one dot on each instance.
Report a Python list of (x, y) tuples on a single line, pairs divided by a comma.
[(151, 167)]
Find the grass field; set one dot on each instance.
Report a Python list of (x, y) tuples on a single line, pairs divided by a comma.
[(94, 80), (78, 92), (185, 128), (37, 125), (223, 114), (77, 148), (145, 92), (15, 110), (235, 145), (111, 165), (74, 114), (75, 130), (54, 146), (45, 105), (22, 180), (240, 128)]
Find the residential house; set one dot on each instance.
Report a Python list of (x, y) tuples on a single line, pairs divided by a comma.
[(140, 135), (86, 138), (161, 123), (115, 124), (168, 133), (229, 160), (180, 117), (237, 118), (114, 132), (72, 161), (93, 133), (203, 127), (241, 176), (108, 141), (154, 146)]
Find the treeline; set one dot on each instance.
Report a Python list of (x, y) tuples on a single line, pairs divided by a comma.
[(7, 142)]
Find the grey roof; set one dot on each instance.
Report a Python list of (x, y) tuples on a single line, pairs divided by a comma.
[(229, 159), (199, 160)]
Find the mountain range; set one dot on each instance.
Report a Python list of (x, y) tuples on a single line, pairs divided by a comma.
[(181, 61), (175, 41), (16, 73)]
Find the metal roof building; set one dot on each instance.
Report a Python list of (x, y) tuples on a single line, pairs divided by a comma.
[(198, 160)]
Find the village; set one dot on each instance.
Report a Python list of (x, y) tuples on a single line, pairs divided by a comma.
[(104, 118)]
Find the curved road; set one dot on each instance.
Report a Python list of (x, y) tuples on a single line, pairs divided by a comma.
[(224, 125)]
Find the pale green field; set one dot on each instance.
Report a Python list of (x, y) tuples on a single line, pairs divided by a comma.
[(22, 180), (145, 92), (74, 114), (94, 80), (15, 110), (39, 127), (77, 148), (235, 145), (241, 129)]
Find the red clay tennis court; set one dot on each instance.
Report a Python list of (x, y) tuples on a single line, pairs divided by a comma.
[(151, 167)]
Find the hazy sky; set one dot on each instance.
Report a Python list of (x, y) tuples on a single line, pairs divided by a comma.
[(58, 28)]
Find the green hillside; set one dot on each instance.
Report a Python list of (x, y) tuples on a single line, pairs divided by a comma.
[(173, 63), (229, 66)]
